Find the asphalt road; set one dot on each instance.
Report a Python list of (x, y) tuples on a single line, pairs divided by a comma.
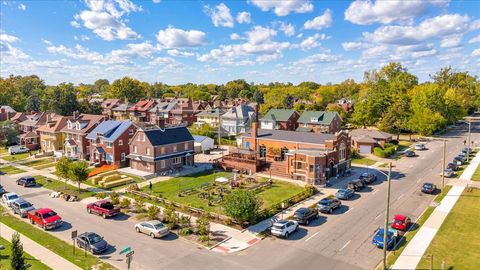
[(338, 241)]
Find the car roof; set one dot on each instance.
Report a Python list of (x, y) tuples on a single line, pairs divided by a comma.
[(44, 210), (10, 193), (326, 199), (153, 222), (302, 210), (427, 183), (281, 222), (20, 200), (400, 217)]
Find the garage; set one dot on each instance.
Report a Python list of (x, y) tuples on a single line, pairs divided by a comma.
[(365, 149)]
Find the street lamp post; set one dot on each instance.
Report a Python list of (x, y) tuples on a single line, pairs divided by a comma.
[(385, 229), (468, 142), (443, 165)]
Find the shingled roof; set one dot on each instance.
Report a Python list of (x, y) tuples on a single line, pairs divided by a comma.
[(278, 115), (317, 117), (168, 135)]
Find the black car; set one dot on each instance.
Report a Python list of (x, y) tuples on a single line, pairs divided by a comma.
[(429, 188), (305, 215), (453, 166), (27, 181), (410, 153), (467, 150), (368, 178), (458, 160), (92, 242), (327, 205), (357, 184)]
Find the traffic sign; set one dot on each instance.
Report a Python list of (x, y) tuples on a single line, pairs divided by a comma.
[(74, 234), (125, 250)]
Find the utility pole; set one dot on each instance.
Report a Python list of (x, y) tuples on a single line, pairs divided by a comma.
[(385, 229), (468, 142), (443, 165)]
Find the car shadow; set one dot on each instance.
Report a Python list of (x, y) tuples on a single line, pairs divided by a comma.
[(299, 234), (365, 189), (65, 226), (110, 250), (120, 217), (341, 210), (354, 197), (169, 237), (317, 222)]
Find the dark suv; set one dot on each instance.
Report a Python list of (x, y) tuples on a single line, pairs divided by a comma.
[(327, 205), (27, 181), (304, 215), (453, 166), (368, 178), (356, 184)]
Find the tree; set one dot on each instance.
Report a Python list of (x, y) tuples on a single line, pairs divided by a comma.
[(78, 172), (90, 108), (8, 133), (203, 227), (61, 99), (127, 88), (32, 103), (62, 168), (242, 205), (204, 130), (152, 212), (258, 97), (17, 260)]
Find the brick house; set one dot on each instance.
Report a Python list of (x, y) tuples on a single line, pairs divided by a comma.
[(6, 112), (120, 112), (140, 111), (364, 140), (319, 122), (107, 106), (155, 150), (109, 142), (29, 136), (51, 137), (75, 132), (210, 117), (184, 113), (282, 119), (160, 114)]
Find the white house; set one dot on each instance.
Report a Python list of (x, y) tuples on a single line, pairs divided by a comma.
[(202, 143), (237, 119)]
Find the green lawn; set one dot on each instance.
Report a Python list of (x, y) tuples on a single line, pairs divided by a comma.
[(57, 185), (36, 162), (476, 174), (405, 143), (457, 243), (17, 156), (3, 150), (5, 254), (363, 161), (392, 256), (278, 192), (11, 170), (52, 243)]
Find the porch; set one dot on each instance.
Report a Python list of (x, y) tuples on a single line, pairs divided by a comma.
[(29, 140)]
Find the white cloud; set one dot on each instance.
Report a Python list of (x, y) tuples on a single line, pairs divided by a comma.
[(316, 59), (167, 65), (350, 46), (451, 41), (474, 39), (8, 53), (22, 7), (176, 38), (476, 53), (220, 15), (175, 52), (8, 38), (156, 1), (375, 52), (313, 41), (235, 36), (244, 17), (414, 51), (284, 7), (260, 34), (79, 53), (320, 22), (287, 28), (104, 18), (368, 12)]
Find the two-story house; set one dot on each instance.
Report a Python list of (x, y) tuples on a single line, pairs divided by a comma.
[(109, 142), (140, 111), (76, 145), (210, 117), (107, 106), (319, 122), (120, 112), (29, 137), (282, 119), (155, 149), (160, 113), (183, 114), (51, 137), (6, 112), (237, 119)]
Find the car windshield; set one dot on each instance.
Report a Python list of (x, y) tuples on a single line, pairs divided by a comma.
[(325, 202), (94, 238), (25, 205), (278, 226), (427, 185), (159, 226), (49, 214), (12, 197), (342, 191), (107, 205)]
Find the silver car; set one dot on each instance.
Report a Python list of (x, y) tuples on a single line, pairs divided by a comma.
[(22, 207), (154, 228)]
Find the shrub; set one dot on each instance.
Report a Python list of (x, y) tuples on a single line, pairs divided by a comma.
[(125, 203), (170, 216), (384, 153), (152, 212), (101, 195), (242, 205), (114, 198), (132, 187), (355, 153), (139, 204), (203, 225), (394, 142)]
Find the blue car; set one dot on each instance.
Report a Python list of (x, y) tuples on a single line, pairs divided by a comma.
[(378, 238), (344, 194)]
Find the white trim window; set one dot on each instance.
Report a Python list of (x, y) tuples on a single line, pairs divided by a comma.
[(148, 151), (177, 160), (122, 157), (108, 144), (130, 131), (120, 142), (162, 164), (135, 149), (342, 152), (174, 148)]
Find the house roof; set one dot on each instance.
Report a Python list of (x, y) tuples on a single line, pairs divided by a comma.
[(212, 113), (199, 138), (371, 133), (293, 136), (56, 124), (308, 152), (363, 139), (36, 119), (7, 109), (304, 129), (19, 117), (278, 115), (30, 134), (317, 117), (87, 123), (163, 107), (123, 107), (110, 103), (239, 112), (142, 105), (168, 135), (110, 130)]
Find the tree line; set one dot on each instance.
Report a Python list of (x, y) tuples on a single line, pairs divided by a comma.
[(390, 98)]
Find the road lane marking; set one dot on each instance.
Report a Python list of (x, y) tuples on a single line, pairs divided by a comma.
[(311, 236), (379, 215), (344, 246)]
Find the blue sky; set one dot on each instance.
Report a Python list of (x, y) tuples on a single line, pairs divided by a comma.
[(217, 41)]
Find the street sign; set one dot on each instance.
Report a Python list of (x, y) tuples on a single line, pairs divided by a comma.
[(125, 250), (74, 234), (129, 254)]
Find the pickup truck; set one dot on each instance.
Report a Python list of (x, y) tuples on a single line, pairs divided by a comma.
[(45, 218), (103, 208)]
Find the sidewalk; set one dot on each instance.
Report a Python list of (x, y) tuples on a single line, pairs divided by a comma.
[(414, 251), (39, 252)]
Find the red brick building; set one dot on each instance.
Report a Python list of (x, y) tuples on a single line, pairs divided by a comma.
[(282, 119)]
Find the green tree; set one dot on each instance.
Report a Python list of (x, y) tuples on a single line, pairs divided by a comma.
[(258, 97), (61, 99), (127, 88), (90, 108), (62, 168), (152, 212), (242, 205), (8, 133), (204, 130), (32, 103), (78, 172), (203, 227), (17, 260)]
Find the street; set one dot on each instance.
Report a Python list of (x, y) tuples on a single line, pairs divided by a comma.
[(338, 241)]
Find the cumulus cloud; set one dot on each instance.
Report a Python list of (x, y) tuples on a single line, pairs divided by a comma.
[(476, 53), (474, 39), (220, 15), (285, 7), (9, 54), (8, 38), (79, 53), (320, 22), (176, 38), (312, 41), (316, 59), (369, 12), (350, 46), (156, 1), (105, 19), (235, 36), (287, 28), (175, 52), (244, 17), (22, 7), (451, 41)]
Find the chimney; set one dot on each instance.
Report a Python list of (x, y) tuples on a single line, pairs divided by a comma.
[(75, 115)]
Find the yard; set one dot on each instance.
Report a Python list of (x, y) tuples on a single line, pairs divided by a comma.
[(457, 243), (57, 185), (11, 170), (5, 262), (476, 174), (18, 156), (135, 179), (40, 163), (363, 161)]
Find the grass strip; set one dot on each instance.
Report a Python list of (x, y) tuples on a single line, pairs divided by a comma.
[(11, 170), (57, 185), (6, 253)]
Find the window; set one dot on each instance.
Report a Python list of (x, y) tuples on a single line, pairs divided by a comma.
[(69, 124), (174, 148), (134, 149), (177, 160), (122, 156), (78, 137), (77, 125), (162, 150), (342, 152), (108, 144), (130, 131), (299, 165), (147, 166), (162, 164), (120, 142), (148, 151), (310, 168), (186, 146), (143, 137)]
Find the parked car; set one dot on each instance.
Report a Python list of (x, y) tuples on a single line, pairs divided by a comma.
[(448, 173), (8, 198), (401, 222), (305, 215), (429, 188), (45, 218), (27, 181), (356, 184), (22, 207), (453, 166), (103, 208), (368, 178), (154, 228), (410, 153), (420, 146), (2, 190), (467, 150), (458, 160), (327, 205), (344, 194), (283, 228), (92, 242), (378, 238), (17, 149)]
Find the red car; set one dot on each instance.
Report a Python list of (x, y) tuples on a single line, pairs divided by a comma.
[(103, 208), (401, 222), (45, 218)]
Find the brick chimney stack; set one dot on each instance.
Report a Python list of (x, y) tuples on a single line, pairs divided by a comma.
[(75, 115)]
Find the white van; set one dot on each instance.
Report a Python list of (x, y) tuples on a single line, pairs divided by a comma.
[(17, 149)]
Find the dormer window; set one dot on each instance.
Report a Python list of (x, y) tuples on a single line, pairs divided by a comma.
[(77, 125), (314, 120), (69, 125)]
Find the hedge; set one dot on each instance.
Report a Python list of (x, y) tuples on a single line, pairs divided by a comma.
[(384, 153)]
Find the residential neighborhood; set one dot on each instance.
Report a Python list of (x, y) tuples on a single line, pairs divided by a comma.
[(239, 135)]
